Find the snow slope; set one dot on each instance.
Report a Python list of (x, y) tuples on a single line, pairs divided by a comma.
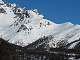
[(23, 27)]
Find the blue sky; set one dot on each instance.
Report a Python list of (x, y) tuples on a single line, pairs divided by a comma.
[(58, 11)]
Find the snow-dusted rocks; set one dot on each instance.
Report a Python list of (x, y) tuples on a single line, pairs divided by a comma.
[(23, 27)]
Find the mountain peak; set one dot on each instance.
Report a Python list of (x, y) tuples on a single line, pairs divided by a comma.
[(22, 27)]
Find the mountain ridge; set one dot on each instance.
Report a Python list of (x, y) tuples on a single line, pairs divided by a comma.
[(23, 27)]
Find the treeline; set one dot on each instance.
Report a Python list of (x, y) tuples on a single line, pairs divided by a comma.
[(10, 51)]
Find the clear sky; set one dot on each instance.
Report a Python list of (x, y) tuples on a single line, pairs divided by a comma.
[(58, 11)]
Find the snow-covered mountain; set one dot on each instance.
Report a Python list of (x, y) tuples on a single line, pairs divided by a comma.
[(25, 27)]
